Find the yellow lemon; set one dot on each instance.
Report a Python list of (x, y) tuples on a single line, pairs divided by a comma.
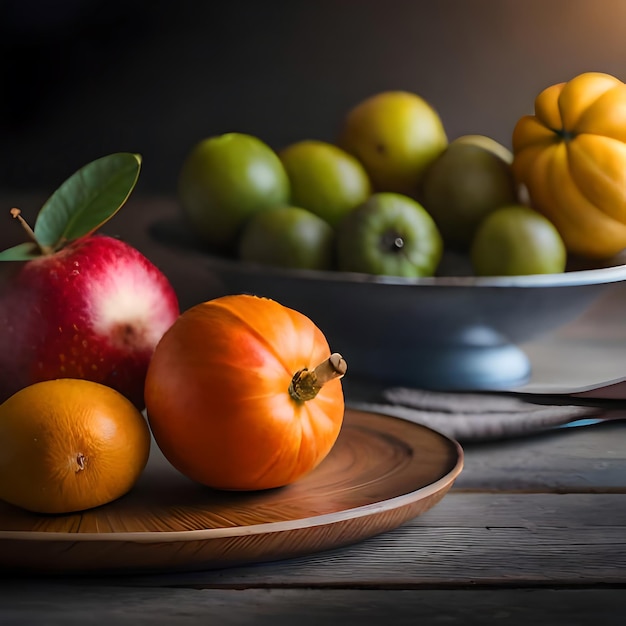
[(396, 135)]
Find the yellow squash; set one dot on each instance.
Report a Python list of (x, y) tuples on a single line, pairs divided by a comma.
[(571, 157)]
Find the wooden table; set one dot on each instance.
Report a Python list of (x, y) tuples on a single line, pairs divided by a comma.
[(533, 531)]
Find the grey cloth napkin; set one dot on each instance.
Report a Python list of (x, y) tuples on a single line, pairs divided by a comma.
[(479, 416)]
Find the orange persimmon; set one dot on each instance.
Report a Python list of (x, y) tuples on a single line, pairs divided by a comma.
[(243, 393), (571, 157)]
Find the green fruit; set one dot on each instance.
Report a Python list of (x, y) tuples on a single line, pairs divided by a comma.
[(516, 240), (396, 135), (462, 186), (288, 237), (389, 234), (325, 179), (483, 141), (224, 180)]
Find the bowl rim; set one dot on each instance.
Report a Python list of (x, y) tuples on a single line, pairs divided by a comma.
[(581, 277), (191, 246)]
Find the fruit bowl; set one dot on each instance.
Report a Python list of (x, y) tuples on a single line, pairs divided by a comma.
[(445, 333)]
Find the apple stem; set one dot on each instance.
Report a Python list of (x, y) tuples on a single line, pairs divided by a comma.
[(306, 383), (17, 214)]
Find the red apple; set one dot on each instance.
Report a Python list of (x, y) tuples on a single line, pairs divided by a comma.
[(95, 310), (78, 305)]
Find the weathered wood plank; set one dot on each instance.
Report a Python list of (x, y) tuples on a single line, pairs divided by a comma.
[(584, 459), (417, 557), (533, 511), (62, 605), (467, 539)]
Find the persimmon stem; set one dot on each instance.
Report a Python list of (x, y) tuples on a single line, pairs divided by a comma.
[(306, 383), (17, 214)]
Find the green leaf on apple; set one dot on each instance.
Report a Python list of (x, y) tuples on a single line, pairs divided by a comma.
[(22, 252), (83, 203)]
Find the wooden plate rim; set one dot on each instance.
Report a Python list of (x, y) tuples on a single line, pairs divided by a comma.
[(390, 504)]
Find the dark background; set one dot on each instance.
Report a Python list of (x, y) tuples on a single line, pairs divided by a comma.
[(83, 78)]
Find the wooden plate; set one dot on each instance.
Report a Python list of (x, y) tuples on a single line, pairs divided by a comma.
[(381, 472)]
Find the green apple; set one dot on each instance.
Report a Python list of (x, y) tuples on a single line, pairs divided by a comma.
[(389, 234), (224, 180), (288, 237)]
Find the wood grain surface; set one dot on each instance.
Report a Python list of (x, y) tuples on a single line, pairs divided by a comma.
[(468, 540), (56, 604)]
